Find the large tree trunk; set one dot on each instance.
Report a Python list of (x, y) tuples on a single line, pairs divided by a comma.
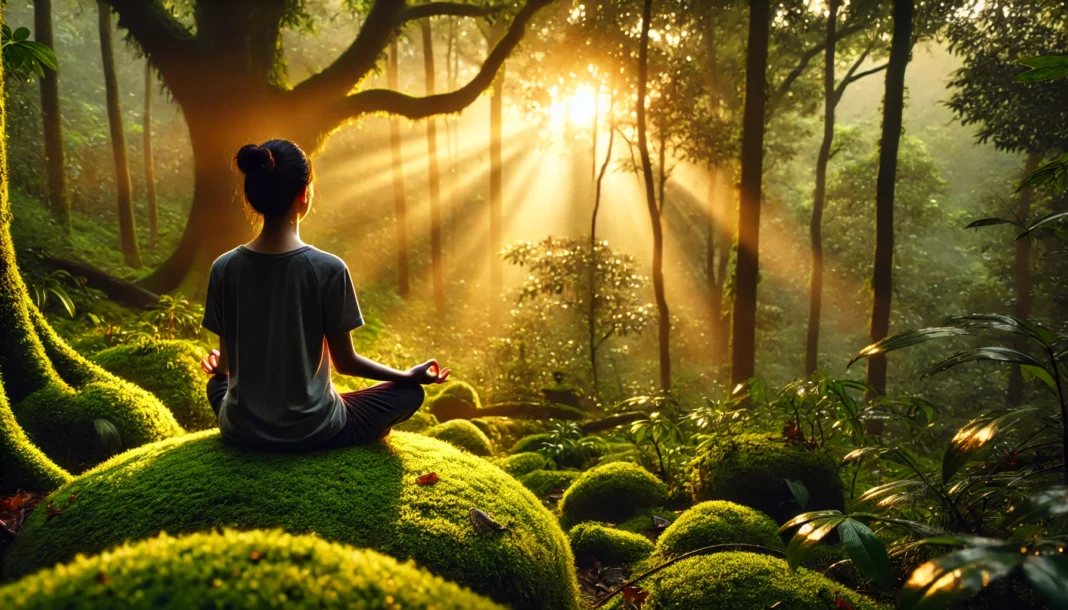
[(436, 262), (400, 198), (654, 210), (747, 266), (819, 196), (893, 110), (123, 188), (55, 168), (1022, 275), (150, 168)]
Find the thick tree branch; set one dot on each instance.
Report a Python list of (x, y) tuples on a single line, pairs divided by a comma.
[(856, 77), (393, 102), (450, 9), (162, 37), (780, 92)]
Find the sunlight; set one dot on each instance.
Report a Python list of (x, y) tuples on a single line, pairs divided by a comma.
[(579, 108)]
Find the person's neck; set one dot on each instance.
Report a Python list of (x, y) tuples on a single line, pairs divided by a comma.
[(278, 235)]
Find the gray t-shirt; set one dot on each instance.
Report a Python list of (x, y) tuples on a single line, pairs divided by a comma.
[(273, 312)]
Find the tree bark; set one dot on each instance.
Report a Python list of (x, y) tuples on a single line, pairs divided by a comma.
[(400, 198), (893, 110), (1022, 275), (815, 290), (124, 195), (747, 266), (592, 319), (150, 168), (436, 262), (55, 167), (650, 198)]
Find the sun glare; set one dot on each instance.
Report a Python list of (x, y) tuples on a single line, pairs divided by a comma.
[(579, 108)]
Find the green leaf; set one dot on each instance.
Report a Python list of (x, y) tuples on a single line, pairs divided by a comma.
[(1048, 574), (907, 339), (880, 491), (956, 576), (990, 222), (1041, 222), (108, 436), (983, 354), (972, 437), (21, 34), (43, 54), (867, 552), (806, 517), (64, 299), (1046, 505), (809, 536), (1045, 61), (1036, 372), (799, 491)]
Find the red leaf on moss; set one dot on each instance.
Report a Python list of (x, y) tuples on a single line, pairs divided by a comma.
[(841, 603), (427, 479), (102, 578), (15, 502), (254, 556), (52, 511), (635, 595)]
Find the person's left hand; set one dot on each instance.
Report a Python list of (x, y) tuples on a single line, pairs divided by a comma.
[(210, 363)]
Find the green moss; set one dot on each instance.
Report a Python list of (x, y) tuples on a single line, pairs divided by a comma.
[(232, 569), (168, 369), (718, 522), (751, 469), (419, 421), (458, 400), (521, 463), (611, 492), (541, 482), (533, 442), (463, 434), (366, 496), (642, 521), (22, 464), (607, 545), (504, 431)]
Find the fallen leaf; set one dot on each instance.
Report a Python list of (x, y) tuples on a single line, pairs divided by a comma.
[(427, 479), (254, 556), (15, 502), (660, 523), (102, 578), (634, 594), (484, 523), (841, 603), (52, 511)]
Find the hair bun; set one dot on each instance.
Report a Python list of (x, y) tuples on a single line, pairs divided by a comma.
[(255, 160)]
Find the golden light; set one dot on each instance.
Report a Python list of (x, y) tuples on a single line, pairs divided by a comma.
[(579, 108)]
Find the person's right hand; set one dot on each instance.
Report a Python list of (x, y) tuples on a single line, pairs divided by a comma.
[(428, 372), (210, 363)]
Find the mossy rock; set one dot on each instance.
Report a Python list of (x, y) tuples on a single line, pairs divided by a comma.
[(611, 492), (751, 469), (462, 434), (458, 400), (718, 522), (168, 369), (256, 569), (522, 463), (366, 496), (735, 580), (533, 442), (641, 522), (541, 482), (631, 456), (504, 431), (419, 421), (610, 546)]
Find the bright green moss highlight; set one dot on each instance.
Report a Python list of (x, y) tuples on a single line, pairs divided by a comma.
[(458, 400), (733, 581), (533, 442), (718, 522), (642, 521), (607, 545), (365, 496), (463, 434), (419, 421), (168, 369), (611, 492), (257, 569), (521, 463), (541, 482), (751, 469), (461, 390), (22, 464)]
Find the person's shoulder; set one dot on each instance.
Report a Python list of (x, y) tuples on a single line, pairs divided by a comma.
[(219, 265), (324, 260)]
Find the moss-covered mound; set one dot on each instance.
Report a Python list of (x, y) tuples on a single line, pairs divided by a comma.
[(607, 545), (419, 421), (541, 482), (366, 496), (22, 464), (611, 492), (504, 431), (718, 522), (168, 369), (752, 469), (731, 581), (254, 569), (533, 442), (522, 463), (463, 434), (642, 521), (458, 400)]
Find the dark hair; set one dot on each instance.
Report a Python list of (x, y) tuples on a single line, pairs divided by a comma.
[(275, 173)]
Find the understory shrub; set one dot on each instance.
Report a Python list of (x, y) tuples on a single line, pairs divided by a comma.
[(607, 545), (522, 463), (256, 569), (463, 434), (612, 492), (366, 496), (751, 469), (541, 482), (170, 370), (718, 522), (457, 400)]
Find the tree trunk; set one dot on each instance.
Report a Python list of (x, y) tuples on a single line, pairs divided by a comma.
[(496, 184), (150, 168), (654, 209), (747, 266), (55, 168), (893, 109), (436, 262), (124, 196), (713, 278), (400, 198), (815, 290), (592, 319), (1022, 275)]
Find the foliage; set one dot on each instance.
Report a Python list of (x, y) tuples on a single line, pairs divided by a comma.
[(532, 442), (565, 444), (54, 285), (717, 522), (595, 542), (519, 464), (173, 317), (541, 482), (236, 569), (365, 495), (611, 492), (23, 57), (462, 434)]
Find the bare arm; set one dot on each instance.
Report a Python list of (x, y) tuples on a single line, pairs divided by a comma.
[(348, 362)]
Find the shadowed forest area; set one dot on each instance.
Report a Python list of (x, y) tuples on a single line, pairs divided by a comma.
[(747, 304)]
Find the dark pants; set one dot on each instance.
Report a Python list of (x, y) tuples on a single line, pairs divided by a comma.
[(368, 412)]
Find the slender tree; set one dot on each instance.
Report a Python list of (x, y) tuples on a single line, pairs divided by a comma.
[(591, 319), (400, 198), (436, 262), (1022, 273), (150, 167), (55, 166), (124, 190)]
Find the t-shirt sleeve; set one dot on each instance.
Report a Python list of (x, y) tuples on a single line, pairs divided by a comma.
[(341, 311), (213, 306)]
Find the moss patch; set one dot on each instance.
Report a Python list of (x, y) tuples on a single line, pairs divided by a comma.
[(168, 369), (541, 482), (607, 545), (718, 522), (364, 495), (458, 400), (22, 464), (612, 492), (642, 521), (419, 421), (237, 570), (462, 434), (751, 469), (533, 442), (522, 463)]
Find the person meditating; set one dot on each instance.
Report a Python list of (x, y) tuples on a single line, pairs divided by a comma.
[(280, 307)]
